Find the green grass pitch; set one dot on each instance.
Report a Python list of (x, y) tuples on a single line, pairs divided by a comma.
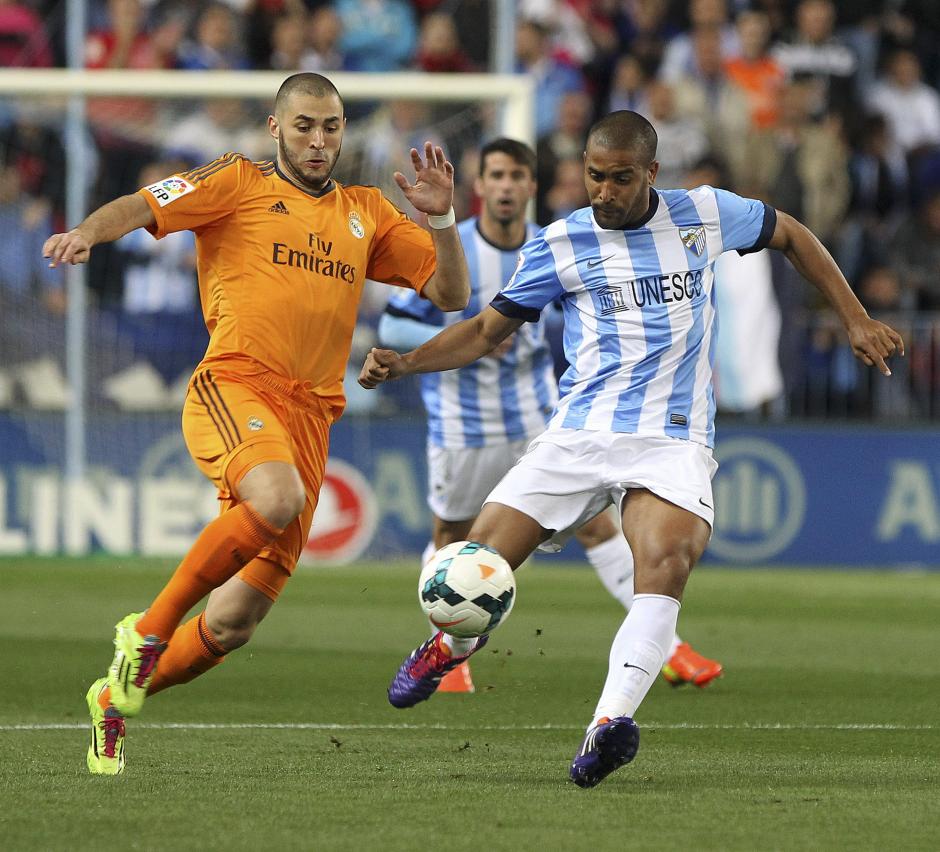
[(823, 734)]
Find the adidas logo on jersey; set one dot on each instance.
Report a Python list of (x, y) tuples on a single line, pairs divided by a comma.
[(279, 207)]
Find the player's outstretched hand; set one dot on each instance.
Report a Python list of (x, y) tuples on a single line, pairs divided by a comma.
[(381, 365), (67, 248), (873, 341), (433, 189)]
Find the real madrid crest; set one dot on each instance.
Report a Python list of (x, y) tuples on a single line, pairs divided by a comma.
[(355, 226)]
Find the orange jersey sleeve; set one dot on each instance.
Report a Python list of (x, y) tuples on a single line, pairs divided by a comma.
[(403, 252), (191, 200)]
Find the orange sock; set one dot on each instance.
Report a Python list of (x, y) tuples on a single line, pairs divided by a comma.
[(192, 651), (225, 545)]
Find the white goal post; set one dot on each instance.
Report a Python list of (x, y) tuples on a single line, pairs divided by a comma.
[(514, 92)]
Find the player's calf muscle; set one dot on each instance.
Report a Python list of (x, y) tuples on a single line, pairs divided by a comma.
[(234, 611)]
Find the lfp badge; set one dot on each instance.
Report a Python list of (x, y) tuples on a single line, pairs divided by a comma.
[(167, 191)]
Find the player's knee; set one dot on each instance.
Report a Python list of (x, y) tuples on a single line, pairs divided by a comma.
[(512, 533), (664, 571), (281, 505), (275, 491)]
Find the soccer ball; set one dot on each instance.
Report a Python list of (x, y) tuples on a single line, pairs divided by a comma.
[(467, 589)]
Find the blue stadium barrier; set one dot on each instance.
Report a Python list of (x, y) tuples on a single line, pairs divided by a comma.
[(788, 495)]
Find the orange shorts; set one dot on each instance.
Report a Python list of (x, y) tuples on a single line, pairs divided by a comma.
[(231, 423)]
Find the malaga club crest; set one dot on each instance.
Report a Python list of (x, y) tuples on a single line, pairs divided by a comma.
[(694, 239)]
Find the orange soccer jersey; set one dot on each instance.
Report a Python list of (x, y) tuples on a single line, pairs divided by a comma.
[(281, 271)]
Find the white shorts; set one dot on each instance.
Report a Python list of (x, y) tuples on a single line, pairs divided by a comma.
[(567, 476), (459, 480)]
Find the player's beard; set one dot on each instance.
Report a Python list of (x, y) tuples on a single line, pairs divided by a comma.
[(295, 169), (610, 218)]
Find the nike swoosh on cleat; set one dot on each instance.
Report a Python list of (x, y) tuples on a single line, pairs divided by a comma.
[(631, 666)]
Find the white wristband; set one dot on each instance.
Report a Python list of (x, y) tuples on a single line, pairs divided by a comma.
[(441, 222)]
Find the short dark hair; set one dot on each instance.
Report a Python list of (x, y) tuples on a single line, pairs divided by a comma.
[(518, 151), (625, 129), (306, 83)]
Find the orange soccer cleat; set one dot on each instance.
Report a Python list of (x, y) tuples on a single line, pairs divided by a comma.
[(457, 680), (685, 666)]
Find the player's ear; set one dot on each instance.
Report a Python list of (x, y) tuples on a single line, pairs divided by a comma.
[(653, 171), (273, 127), (478, 186)]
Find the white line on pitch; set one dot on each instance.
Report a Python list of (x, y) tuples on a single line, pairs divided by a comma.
[(434, 726)]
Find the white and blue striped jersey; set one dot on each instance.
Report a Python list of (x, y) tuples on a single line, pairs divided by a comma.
[(639, 308), (493, 400)]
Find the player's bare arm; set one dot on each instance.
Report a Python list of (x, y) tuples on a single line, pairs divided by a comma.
[(456, 346), (872, 341), (433, 193), (109, 222)]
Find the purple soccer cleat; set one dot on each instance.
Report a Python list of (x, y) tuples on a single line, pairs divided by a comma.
[(419, 676), (610, 744)]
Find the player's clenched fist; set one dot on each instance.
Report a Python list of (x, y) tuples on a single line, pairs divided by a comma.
[(72, 248), (380, 366)]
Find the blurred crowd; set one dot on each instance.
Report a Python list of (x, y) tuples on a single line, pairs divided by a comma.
[(827, 110)]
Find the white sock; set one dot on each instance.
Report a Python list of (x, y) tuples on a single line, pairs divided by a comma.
[(637, 654), (459, 647), (613, 562)]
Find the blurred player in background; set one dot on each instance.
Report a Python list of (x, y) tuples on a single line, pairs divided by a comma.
[(482, 417), (634, 425), (282, 254)]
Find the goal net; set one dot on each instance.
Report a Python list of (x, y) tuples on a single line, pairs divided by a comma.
[(94, 364)]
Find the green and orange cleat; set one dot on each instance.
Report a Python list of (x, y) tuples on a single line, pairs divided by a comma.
[(135, 661), (106, 751), (687, 666)]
